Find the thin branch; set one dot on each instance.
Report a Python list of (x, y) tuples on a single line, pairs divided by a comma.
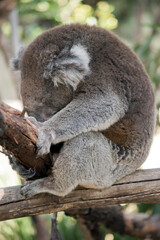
[(41, 228), (55, 235), (117, 220)]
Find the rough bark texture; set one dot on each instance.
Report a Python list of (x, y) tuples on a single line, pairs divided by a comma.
[(143, 186), (19, 137), (113, 217)]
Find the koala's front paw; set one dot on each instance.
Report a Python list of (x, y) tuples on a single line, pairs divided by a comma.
[(45, 139), (34, 121)]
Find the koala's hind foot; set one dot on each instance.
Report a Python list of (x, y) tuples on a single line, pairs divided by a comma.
[(45, 185), (32, 188), (21, 170)]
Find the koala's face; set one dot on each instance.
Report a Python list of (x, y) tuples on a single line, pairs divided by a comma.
[(42, 97), (49, 76), (44, 102), (52, 67)]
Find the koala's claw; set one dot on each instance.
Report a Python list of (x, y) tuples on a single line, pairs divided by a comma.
[(28, 173), (31, 188), (45, 139), (26, 192), (22, 171), (34, 121), (43, 150)]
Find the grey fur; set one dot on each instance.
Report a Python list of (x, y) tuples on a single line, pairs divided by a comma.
[(100, 104), (15, 61), (69, 67)]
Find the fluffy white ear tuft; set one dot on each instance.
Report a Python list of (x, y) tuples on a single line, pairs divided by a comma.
[(81, 53), (69, 67)]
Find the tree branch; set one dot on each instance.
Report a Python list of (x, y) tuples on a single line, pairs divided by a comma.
[(19, 137), (113, 217), (142, 187), (55, 235)]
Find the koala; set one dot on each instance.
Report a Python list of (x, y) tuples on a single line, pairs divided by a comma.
[(86, 90)]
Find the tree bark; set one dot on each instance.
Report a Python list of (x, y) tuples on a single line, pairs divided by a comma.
[(18, 136), (143, 186), (117, 220)]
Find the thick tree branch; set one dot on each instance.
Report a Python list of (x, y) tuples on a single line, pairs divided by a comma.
[(142, 187), (19, 137)]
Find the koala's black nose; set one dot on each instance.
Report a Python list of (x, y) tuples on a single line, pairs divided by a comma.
[(54, 68)]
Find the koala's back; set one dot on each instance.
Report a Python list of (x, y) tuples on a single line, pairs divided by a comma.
[(118, 69), (113, 67)]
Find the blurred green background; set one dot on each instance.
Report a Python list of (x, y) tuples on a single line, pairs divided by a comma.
[(137, 22)]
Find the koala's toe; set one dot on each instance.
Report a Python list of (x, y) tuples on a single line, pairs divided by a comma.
[(21, 170), (31, 188), (26, 190), (27, 173), (28, 193), (34, 121), (45, 149), (45, 139)]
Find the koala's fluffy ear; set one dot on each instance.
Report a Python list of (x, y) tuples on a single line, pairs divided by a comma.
[(69, 67), (15, 61)]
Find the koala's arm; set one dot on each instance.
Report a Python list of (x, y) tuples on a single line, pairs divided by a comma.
[(95, 111)]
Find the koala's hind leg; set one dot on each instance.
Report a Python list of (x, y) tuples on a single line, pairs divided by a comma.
[(85, 160)]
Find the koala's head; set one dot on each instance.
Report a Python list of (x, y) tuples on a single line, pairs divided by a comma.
[(51, 69), (67, 66)]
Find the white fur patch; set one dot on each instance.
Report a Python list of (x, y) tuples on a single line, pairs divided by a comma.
[(81, 53), (74, 68), (70, 78)]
